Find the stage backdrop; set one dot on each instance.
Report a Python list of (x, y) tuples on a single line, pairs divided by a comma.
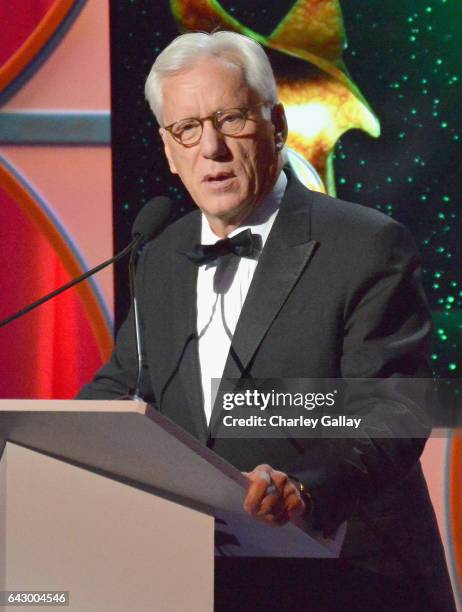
[(55, 192), (379, 119)]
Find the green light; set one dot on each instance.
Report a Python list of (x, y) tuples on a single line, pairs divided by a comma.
[(444, 125), (428, 9), (436, 286), (441, 216), (434, 356), (452, 366), (450, 299)]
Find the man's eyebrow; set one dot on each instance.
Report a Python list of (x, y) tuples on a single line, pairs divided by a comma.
[(186, 118)]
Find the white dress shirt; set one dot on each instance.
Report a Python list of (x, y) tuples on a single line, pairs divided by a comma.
[(222, 287)]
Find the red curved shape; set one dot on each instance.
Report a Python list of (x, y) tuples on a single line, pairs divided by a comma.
[(31, 24), (55, 349), (22, 17)]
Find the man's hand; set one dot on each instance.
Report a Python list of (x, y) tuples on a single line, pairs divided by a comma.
[(272, 497)]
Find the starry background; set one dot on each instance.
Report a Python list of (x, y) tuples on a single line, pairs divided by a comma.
[(405, 57)]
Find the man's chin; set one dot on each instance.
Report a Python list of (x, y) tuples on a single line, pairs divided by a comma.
[(223, 206)]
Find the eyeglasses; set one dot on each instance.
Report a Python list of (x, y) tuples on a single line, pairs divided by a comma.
[(228, 122)]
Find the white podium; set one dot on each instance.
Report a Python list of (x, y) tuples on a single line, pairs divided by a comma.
[(113, 502)]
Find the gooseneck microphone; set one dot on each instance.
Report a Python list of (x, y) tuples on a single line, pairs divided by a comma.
[(150, 221)]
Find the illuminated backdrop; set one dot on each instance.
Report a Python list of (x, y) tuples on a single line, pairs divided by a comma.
[(398, 81)]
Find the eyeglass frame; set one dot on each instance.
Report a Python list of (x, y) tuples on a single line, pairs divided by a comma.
[(213, 119)]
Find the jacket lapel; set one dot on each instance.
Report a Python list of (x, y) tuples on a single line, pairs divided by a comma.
[(286, 254)]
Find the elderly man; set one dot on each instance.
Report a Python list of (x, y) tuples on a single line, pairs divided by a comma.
[(317, 288)]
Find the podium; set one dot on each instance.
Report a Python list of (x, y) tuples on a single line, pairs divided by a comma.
[(116, 504)]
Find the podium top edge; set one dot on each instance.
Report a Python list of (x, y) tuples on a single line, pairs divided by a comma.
[(40, 405)]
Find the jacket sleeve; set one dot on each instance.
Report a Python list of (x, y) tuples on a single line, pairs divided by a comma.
[(386, 335)]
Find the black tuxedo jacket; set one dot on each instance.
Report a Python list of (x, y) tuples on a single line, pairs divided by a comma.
[(336, 293)]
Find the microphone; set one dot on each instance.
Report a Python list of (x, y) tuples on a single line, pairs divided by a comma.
[(150, 221), (152, 218)]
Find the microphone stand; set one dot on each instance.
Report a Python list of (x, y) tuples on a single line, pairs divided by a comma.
[(135, 395), (134, 243)]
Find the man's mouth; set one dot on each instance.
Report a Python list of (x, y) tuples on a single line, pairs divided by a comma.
[(218, 177)]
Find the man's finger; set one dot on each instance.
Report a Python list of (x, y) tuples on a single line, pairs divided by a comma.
[(279, 478), (267, 494), (276, 519), (270, 503), (259, 482)]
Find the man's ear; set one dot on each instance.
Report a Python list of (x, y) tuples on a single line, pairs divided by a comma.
[(167, 151), (278, 118)]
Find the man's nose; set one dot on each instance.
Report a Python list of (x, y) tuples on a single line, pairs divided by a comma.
[(212, 143)]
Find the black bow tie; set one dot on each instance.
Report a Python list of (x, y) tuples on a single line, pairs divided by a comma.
[(244, 244)]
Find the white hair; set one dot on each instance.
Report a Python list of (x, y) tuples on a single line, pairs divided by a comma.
[(185, 50)]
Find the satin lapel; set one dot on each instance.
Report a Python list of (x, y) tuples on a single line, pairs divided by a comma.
[(270, 288), (285, 256), (184, 326)]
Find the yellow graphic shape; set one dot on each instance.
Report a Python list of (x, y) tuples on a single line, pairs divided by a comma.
[(321, 106)]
